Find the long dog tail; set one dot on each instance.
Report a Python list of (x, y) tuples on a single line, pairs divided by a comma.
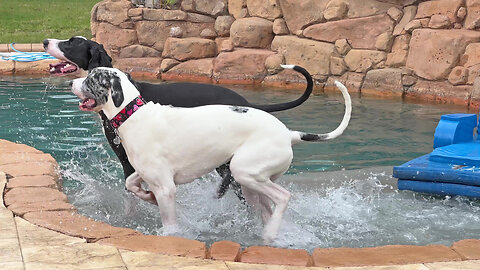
[(298, 136), (293, 103)]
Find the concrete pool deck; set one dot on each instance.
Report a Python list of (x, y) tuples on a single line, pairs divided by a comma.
[(39, 229)]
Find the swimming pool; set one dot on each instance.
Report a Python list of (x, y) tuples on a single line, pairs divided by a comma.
[(343, 194)]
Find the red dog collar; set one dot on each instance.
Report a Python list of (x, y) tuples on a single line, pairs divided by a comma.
[(126, 112)]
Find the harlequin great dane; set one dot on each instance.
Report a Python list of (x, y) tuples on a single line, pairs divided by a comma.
[(79, 55), (168, 146)]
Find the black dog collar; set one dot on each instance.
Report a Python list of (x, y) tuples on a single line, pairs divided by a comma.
[(126, 112)]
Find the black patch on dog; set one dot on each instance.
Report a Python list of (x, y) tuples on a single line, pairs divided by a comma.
[(309, 137), (99, 82), (117, 91), (239, 109), (85, 53)]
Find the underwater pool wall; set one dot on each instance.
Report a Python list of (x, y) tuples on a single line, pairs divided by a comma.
[(33, 192)]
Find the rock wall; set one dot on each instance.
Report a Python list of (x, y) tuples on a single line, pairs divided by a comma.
[(403, 48)]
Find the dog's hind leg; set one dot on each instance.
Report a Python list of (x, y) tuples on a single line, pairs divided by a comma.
[(266, 208), (267, 190), (260, 202), (252, 199), (254, 165), (280, 198)]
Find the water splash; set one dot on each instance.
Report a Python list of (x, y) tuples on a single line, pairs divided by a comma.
[(355, 208)]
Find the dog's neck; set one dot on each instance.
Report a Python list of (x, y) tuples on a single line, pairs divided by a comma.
[(127, 111), (129, 93)]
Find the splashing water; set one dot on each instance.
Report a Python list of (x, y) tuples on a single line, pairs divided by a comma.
[(338, 198)]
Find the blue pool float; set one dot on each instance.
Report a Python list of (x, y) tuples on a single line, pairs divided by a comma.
[(453, 167)]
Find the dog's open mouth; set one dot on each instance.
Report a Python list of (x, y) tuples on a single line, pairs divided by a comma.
[(62, 68), (87, 104)]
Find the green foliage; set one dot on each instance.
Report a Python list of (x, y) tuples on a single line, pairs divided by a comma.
[(32, 21), (169, 3)]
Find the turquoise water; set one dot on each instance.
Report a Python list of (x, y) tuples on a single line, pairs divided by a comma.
[(343, 194)]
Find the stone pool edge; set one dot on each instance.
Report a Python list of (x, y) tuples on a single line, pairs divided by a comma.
[(32, 192)]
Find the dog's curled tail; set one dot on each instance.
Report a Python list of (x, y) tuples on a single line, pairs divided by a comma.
[(293, 103), (298, 136)]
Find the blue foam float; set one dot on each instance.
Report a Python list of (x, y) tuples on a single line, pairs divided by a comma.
[(453, 167)]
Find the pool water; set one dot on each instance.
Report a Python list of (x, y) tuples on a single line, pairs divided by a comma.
[(342, 190)]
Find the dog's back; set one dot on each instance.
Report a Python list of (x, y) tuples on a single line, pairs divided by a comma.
[(207, 135)]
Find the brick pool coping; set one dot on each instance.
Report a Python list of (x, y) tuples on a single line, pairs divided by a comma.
[(33, 193)]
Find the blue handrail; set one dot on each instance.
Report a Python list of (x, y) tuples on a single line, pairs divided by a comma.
[(27, 56)]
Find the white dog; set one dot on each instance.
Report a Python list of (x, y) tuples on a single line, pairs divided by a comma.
[(169, 146)]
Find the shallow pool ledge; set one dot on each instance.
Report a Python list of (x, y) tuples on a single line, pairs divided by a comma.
[(32, 202)]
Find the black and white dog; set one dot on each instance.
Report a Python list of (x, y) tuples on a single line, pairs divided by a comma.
[(168, 145), (79, 55)]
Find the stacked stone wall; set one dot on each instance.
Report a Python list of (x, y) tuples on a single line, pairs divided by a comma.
[(403, 48)]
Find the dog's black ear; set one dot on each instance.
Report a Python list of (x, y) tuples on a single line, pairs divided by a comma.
[(98, 57), (117, 91)]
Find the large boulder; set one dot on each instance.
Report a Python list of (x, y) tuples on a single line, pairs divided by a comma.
[(252, 32), (385, 82), (114, 12), (399, 2), (361, 32), (472, 21), (442, 92), (396, 58), (209, 7), (268, 9), (443, 7), (199, 18), (433, 53), (458, 76), (245, 66), (364, 8), (236, 7), (473, 73), (223, 24), (299, 14), (471, 56), (145, 67), (189, 48), (364, 60), (138, 51), (164, 15), (408, 15), (314, 55), (197, 70), (335, 10), (155, 33), (352, 80), (114, 37)]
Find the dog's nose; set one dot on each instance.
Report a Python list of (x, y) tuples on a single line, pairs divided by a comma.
[(70, 83), (45, 44)]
